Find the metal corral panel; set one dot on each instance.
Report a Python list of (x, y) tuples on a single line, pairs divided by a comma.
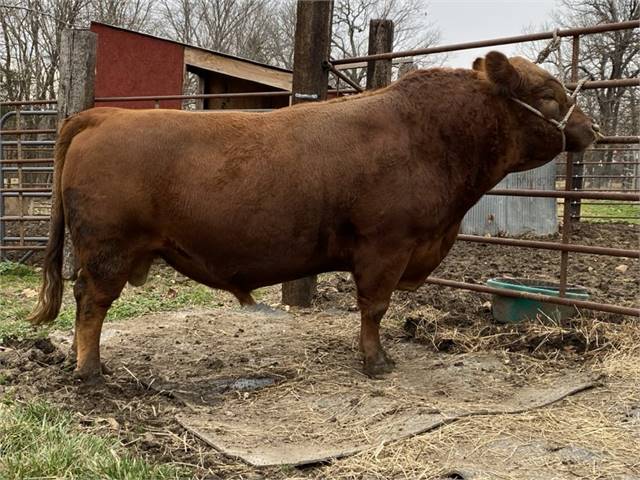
[(502, 215)]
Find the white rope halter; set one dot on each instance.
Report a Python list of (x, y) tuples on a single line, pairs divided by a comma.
[(560, 125)]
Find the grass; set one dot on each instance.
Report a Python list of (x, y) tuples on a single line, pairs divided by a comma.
[(606, 208), (164, 291), (40, 441), (18, 284)]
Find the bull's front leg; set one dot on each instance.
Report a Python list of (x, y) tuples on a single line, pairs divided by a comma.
[(376, 360), (377, 273)]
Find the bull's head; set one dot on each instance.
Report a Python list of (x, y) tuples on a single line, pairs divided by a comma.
[(532, 86)]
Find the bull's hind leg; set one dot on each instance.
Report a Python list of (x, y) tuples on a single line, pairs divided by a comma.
[(95, 290), (244, 298), (376, 275), (78, 291)]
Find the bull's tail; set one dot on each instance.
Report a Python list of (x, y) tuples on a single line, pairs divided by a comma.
[(50, 298)]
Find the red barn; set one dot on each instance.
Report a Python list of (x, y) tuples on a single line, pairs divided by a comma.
[(131, 64)]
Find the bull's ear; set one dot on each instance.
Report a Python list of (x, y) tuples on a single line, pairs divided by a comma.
[(478, 64), (503, 75)]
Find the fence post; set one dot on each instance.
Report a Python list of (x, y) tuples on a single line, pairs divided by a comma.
[(310, 79), (75, 93), (380, 41), (568, 179)]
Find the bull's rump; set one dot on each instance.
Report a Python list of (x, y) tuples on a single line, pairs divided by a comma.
[(261, 198)]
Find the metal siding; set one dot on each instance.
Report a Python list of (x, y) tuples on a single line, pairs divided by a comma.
[(501, 215)]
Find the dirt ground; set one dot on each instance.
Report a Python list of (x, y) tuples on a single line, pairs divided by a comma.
[(269, 372)]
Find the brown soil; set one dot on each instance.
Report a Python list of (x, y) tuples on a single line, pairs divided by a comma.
[(169, 364)]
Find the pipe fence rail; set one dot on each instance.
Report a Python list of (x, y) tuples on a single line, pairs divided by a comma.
[(570, 32)]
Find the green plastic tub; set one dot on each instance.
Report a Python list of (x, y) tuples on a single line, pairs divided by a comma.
[(512, 310)]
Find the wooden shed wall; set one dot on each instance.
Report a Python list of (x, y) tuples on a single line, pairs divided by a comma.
[(130, 64)]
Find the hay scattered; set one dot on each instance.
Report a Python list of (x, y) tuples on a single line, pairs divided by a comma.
[(543, 338)]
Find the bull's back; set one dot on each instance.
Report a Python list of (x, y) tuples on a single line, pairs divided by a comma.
[(217, 187)]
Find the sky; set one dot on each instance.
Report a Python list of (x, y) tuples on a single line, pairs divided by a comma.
[(471, 20)]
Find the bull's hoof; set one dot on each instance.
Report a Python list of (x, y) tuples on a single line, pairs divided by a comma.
[(88, 377), (91, 375), (379, 366)]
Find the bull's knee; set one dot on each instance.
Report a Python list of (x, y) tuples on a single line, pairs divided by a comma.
[(373, 310)]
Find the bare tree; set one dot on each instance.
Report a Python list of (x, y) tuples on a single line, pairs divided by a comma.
[(132, 14), (30, 38), (611, 55), (605, 56), (281, 32), (180, 20), (238, 27), (412, 29)]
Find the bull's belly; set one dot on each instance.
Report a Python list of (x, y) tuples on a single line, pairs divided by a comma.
[(242, 269)]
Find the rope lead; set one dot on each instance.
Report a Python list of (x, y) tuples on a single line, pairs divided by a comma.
[(552, 46)]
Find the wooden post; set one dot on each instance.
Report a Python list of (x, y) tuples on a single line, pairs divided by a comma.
[(75, 93), (310, 79), (380, 41)]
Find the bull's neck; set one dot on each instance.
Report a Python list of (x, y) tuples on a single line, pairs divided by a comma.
[(465, 133), (471, 138)]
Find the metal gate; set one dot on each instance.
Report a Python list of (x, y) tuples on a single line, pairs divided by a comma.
[(27, 138)]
